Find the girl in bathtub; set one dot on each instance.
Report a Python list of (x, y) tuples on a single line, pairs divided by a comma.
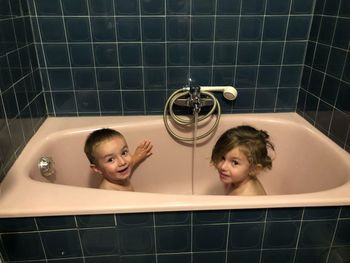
[(239, 155), (109, 156)]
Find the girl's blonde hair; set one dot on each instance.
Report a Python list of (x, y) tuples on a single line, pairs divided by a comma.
[(252, 142)]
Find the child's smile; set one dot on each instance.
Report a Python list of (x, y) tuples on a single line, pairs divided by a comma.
[(113, 160), (109, 156), (234, 167), (124, 172), (239, 155)]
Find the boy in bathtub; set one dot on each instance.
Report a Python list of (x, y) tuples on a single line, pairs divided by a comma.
[(239, 155), (109, 156)]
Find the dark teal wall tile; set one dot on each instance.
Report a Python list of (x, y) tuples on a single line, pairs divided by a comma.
[(61, 244), (325, 75), (56, 222), (248, 235), (101, 241), (26, 246), (22, 106)]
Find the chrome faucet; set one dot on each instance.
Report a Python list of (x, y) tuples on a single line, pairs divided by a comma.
[(46, 166), (195, 96)]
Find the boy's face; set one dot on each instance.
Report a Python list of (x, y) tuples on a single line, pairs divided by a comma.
[(112, 159), (234, 167)]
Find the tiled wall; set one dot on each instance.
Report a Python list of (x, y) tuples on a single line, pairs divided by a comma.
[(295, 235), (116, 57), (22, 107), (126, 57), (112, 57), (325, 91)]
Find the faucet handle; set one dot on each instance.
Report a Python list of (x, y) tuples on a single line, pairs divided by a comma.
[(195, 96), (193, 86)]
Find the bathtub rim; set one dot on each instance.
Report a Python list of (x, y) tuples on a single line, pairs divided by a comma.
[(12, 203), (106, 201)]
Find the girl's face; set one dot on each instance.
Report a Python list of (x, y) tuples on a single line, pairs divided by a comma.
[(113, 159), (234, 168)]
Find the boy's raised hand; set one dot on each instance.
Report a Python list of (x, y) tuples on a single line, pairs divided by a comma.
[(142, 151)]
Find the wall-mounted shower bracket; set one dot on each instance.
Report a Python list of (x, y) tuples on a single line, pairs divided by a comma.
[(205, 101)]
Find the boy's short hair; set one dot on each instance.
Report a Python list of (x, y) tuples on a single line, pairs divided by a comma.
[(97, 137), (254, 144)]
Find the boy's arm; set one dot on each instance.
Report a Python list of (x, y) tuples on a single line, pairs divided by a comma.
[(141, 153)]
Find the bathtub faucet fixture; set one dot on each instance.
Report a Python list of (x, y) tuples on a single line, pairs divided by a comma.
[(196, 97), (195, 91), (46, 166)]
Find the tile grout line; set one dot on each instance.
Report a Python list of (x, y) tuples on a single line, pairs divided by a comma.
[(93, 59)]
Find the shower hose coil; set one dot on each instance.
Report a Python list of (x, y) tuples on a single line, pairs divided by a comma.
[(168, 110)]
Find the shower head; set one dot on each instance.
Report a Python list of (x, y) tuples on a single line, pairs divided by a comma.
[(229, 92)]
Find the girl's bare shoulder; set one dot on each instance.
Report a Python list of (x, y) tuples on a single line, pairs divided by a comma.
[(252, 187)]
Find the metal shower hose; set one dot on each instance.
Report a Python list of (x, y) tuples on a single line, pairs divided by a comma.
[(185, 121)]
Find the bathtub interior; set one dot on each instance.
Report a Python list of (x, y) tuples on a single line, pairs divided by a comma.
[(305, 161), (153, 175)]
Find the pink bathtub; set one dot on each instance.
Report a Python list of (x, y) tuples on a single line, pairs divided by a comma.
[(308, 170)]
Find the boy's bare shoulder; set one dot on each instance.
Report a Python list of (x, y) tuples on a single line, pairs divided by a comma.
[(106, 185)]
